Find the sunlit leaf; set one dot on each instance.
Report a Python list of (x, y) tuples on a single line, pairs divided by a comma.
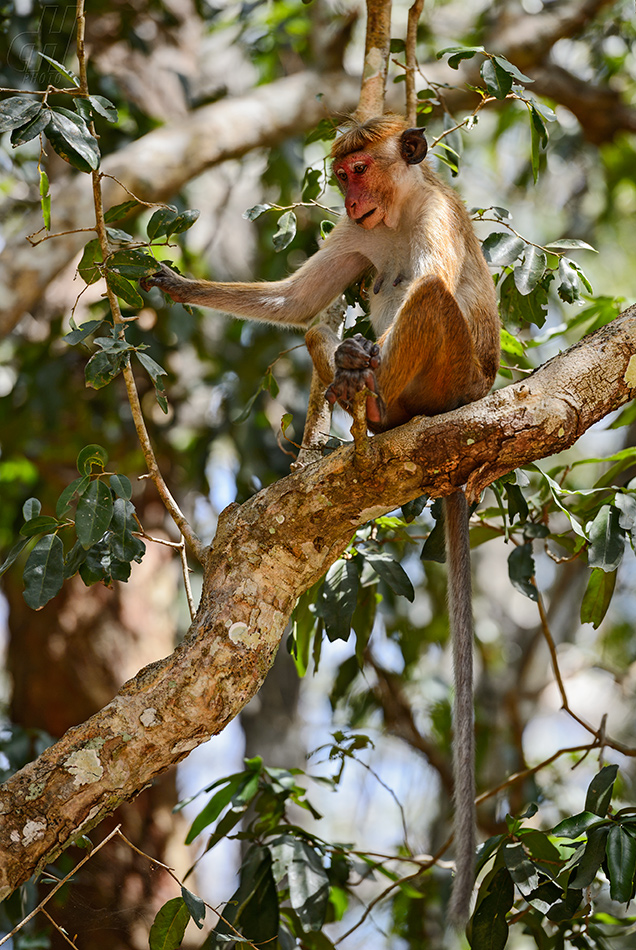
[(169, 925)]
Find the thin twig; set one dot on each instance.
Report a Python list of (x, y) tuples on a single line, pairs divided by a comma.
[(186, 578), (61, 883), (62, 933), (599, 734), (174, 877), (198, 548)]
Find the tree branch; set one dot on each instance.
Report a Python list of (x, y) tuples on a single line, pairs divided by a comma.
[(266, 553), (376, 59)]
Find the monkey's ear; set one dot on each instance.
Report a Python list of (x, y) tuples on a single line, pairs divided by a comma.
[(413, 146)]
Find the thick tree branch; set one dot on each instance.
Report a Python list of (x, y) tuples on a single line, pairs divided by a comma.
[(266, 553)]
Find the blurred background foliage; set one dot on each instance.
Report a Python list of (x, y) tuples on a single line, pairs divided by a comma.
[(157, 61)]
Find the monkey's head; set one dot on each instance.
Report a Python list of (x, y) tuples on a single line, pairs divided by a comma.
[(369, 159)]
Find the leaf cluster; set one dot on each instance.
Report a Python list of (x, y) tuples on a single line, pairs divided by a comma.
[(96, 513)]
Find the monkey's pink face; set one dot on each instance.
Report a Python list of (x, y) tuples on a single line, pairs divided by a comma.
[(360, 180)]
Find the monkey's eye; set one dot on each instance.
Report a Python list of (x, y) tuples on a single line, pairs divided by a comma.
[(342, 175), (359, 168)]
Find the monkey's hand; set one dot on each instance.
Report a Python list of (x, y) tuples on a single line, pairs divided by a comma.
[(170, 282), (356, 361)]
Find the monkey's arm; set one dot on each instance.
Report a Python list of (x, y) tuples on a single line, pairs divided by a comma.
[(294, 301)]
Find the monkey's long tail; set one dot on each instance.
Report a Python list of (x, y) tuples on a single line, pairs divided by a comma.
[(461, 626)]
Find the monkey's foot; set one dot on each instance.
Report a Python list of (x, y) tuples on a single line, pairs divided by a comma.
[(356, 360)]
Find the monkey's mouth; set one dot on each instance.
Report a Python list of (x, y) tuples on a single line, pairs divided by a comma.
[(365, 217)]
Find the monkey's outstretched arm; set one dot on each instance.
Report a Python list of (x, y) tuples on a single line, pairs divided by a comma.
[(294, 301)]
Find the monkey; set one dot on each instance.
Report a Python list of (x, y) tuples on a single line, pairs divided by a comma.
[(434, 311)]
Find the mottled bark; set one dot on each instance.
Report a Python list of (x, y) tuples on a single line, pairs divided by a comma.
[(266, 553)]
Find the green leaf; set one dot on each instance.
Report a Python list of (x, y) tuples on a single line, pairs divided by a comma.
[(253, 908), (13, 555), (338, 598), (311, 184), (255, 212), (598, 596), (160, 221), (607, 540), (31, 508), (308, 885), (33, 127), (132, 263), (125, 545), (184, 221), (575, 826), (511, 344), (569, 244), (94, 513), (211, 811), (489, 925), (621, 864), (518, 309), (46, 211), (323, 132), (539, 138), (528, 274), (517, 504), (71, 139), (397, 45), (103, 107), (169, 925), (61, 68), (412, 509), (151, 367), (512, 69), (498, 81), (17, 111), (44, 571), (43, 524), (88, 269), (89, 456), (457, 53), (70, 495), (434, 548), (124, 290), (117, 212), (502, 248), (102, 367), (286, 231), (196, 907), (569, 288), (521, 570), (121, 485), (599, 792), (391, 573), (522, 870), (81, 333), (593, 857)]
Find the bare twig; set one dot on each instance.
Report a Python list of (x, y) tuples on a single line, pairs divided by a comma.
[(169, 502), (60, 930), (59, 884)]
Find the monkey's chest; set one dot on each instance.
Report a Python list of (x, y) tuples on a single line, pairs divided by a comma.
[(386, 295)]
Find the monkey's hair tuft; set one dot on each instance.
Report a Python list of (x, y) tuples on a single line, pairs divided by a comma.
[(358, 135)]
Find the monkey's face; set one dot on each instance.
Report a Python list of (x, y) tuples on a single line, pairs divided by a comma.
[(366, 188)]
